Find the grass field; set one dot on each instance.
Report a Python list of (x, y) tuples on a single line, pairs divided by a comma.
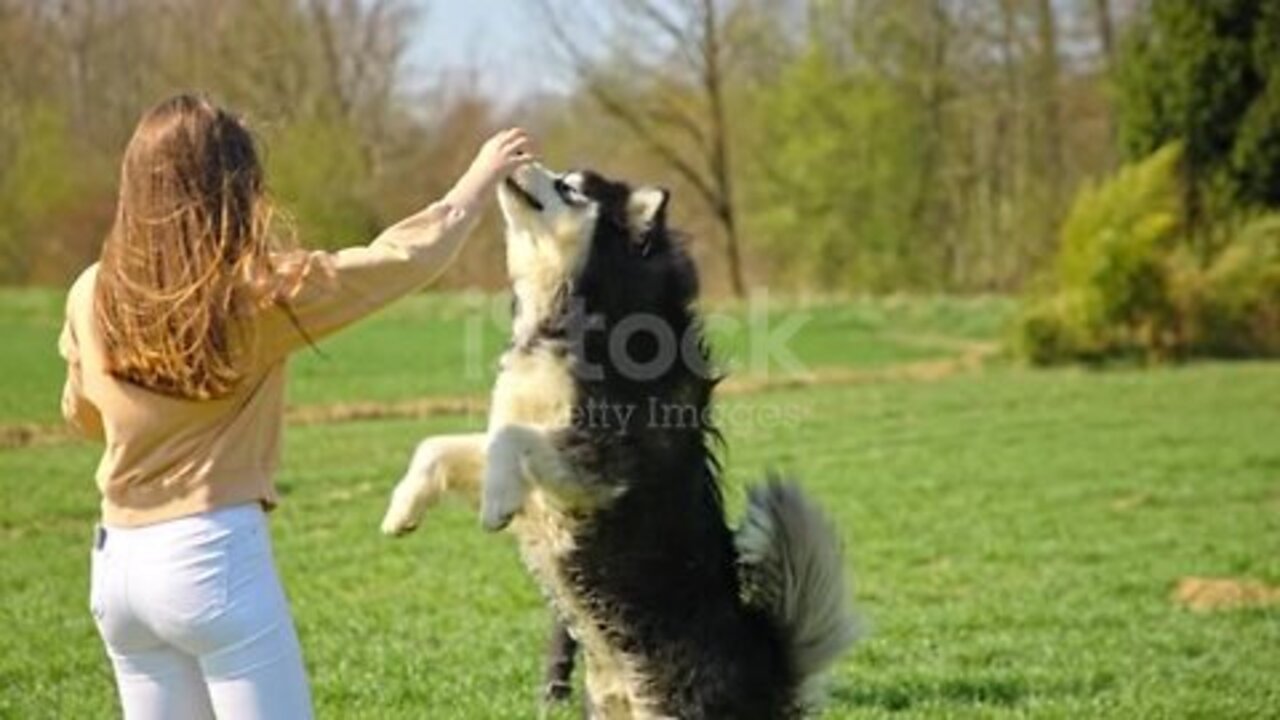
[(1016, 536)]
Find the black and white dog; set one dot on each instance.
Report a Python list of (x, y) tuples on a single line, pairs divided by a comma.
[(599, 457)]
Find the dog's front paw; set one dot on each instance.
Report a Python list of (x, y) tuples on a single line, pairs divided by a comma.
[(404, 511), (504, 492), (499, 506)]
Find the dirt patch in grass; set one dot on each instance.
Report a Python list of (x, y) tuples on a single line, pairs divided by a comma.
[(24, 435), (403, 409), (1132, 501), (975, 355), (1211, 594)]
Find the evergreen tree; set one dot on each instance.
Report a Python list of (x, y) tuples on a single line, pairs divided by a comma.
[(1207, 74)]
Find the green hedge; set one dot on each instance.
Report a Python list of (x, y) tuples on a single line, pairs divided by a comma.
[(1131, 279)]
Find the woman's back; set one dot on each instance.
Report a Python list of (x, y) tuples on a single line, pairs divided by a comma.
[(167, 456)]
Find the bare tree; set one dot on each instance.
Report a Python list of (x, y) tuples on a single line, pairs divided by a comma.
[(362, 44), (688, 132), (1106, 29), (1049, 101), (933, 88)]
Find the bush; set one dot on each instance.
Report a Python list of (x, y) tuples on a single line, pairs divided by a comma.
[(1236, 304), (1109, 293), (1129, 282)]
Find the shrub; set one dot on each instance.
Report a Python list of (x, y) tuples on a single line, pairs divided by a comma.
[(1237, 306), (1129, 282), (1108, 293)]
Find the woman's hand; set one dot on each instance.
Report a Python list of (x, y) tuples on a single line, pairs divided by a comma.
[(498, 157)]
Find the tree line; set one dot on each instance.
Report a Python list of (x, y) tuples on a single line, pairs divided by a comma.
[(812, 145)]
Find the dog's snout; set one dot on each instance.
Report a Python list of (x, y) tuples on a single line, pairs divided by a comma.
[(521, 192), (531, 173)]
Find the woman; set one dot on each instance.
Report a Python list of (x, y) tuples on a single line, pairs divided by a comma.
[(176, 343)]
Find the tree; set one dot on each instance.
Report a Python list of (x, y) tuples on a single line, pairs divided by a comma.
[(1048, 78), (669, 93), (1208, 74), (1105, 22), (841, 198)]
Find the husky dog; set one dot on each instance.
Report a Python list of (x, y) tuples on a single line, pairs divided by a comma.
[(599, 458)]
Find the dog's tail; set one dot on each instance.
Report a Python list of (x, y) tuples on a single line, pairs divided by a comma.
[(791, 566)]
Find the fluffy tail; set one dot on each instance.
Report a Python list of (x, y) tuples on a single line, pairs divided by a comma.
[(791, 566)]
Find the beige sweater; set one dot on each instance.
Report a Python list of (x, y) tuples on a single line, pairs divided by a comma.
[(167, 457)]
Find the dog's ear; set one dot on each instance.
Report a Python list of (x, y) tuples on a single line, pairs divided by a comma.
[(647, 215)]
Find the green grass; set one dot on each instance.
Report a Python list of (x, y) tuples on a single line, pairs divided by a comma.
[(32, 371), (1015, 537)]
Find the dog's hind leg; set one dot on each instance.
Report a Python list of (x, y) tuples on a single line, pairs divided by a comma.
[(446, 463), (562, 654)]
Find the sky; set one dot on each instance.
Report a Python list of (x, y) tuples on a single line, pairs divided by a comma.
[(498, 38)]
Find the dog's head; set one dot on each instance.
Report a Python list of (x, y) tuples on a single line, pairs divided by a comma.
[(562, 228)]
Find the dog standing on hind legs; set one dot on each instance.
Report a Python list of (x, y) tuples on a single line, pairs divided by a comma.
[(599, 458)]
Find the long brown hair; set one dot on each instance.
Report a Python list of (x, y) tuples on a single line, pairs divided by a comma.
[(189, 255)]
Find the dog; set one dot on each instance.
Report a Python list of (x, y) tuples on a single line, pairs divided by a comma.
[(600, 457)]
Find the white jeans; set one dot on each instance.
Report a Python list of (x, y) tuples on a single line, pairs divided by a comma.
[(195, 621)]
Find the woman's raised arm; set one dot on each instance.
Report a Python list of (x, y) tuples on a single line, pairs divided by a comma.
[(336, 289)]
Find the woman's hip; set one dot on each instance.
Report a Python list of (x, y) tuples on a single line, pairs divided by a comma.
[(196, 582)]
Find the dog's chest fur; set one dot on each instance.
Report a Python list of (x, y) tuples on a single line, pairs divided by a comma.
[(536, 388)]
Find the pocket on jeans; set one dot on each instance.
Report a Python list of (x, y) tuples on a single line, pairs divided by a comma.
[(250, 562)]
